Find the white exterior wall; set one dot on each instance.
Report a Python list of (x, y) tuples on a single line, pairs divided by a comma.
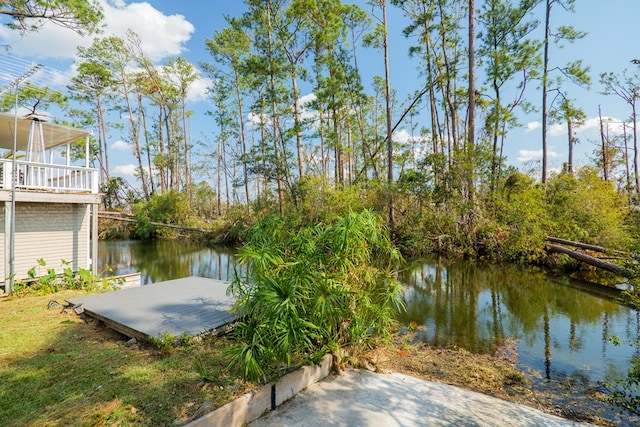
[(49, 231)]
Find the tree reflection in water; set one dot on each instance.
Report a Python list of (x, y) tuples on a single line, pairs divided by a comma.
[(561, 327)]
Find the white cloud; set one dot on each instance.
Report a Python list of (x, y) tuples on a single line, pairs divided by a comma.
[(531, 126), (307, 99), (558, 129), (404, 137), (199, 90), (257, 119), (129, 170), (534, 155), (611, 124), (121, 145), (161, 35)]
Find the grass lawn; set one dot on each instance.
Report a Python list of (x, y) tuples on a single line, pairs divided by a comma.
[(57, 370)]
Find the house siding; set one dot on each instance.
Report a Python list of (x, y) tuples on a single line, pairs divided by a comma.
[(52, 232)]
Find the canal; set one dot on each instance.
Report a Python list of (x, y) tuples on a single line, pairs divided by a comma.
[(560, 328)]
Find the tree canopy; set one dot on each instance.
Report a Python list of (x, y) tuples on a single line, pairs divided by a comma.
[(81, 16)]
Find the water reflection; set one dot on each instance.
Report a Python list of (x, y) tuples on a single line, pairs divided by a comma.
[(562, 328), (165, 260)]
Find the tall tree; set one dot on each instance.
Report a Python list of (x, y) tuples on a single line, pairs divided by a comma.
[(575, 71), (294, 36), (93, 86), (626, 87), (573, 116), (506, 51), (388, 109), (112, 57), (471, 132), (335, 77), (182, 74), (229, 47), (383, 34), (422, 16), (263, 19)]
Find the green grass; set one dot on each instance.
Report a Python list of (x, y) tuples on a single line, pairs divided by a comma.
[(55, 370)]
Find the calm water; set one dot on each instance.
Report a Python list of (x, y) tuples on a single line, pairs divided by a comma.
[(561, 328), (165, 260)]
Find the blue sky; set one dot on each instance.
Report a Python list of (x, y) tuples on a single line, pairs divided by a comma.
[(170, 28)]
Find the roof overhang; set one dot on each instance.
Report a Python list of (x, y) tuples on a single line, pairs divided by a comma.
[(54, 135)]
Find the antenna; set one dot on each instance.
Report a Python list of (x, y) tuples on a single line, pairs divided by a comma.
[(31, 71)]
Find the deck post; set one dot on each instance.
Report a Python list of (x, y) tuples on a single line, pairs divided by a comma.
[(94, 239), (7, 245), (87, 151)]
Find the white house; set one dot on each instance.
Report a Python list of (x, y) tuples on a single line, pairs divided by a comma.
[(50, 206)]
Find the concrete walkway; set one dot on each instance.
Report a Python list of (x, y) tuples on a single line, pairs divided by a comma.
[(363, 398)]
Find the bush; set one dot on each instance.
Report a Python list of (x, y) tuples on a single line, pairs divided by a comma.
[(587, 209), (321, 288), (170, 207), (51, 281), (521, 213)]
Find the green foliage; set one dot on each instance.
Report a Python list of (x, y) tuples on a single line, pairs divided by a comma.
[(625, 392), (170, 207), (317, 202), (167, 342), (324, 286), (51, 281), (521, 212), (116, 193), (81, 16), (586, 208), (35, 99)]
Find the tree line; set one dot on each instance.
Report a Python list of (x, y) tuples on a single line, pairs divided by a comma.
[(292, 113), (290, 103)]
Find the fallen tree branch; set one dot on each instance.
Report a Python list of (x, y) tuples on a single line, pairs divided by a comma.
[(576, 244), (588, 259)]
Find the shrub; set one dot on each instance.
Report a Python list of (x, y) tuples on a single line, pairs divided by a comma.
[(587, 208), (170, 207), (321, 288)]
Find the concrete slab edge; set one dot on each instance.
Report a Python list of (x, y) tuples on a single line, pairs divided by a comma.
[(253, 405)]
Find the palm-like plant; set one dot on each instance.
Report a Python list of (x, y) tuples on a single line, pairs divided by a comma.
[(314, 290)]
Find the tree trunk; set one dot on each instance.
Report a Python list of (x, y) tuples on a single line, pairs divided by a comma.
[(571, 144), (603, 141), (297, 123), (545, 72), (590, 260), (472, 107), (219, 180), (135, 138), (383, 4), (274, 114), (626, 160), (243, 140), (186, 150), (635, 150)]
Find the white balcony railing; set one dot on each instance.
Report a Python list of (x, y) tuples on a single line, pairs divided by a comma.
[(49, 177)]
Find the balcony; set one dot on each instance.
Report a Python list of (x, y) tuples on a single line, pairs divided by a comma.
[(35, 148), (33, 176)]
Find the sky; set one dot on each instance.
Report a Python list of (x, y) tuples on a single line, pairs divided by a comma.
[(170, 28)]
